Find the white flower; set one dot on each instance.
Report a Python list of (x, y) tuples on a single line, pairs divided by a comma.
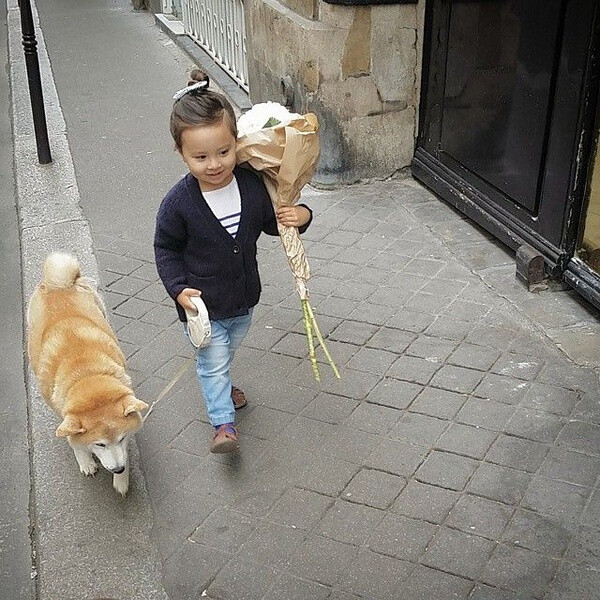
[(265, 114)]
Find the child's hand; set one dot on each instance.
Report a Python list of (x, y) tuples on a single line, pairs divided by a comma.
[(184, 298), (293, 216)]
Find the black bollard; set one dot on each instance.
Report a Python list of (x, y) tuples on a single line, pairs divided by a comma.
[(35, 83)]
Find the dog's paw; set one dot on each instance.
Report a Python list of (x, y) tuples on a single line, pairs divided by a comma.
[(88, 466), (121, 483)]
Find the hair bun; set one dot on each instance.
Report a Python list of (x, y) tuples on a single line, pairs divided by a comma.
[(197, 75)]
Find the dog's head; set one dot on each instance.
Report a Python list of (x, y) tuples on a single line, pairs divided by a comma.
[(105, 430)]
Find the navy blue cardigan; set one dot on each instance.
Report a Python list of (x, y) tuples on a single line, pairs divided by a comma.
[(192, 248)]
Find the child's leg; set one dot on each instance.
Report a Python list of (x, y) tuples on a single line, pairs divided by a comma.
[(213, 367)]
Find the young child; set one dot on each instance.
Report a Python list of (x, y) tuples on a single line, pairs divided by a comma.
[(205, 241)]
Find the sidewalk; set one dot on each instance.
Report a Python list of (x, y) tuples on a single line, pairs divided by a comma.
[(457, 458)]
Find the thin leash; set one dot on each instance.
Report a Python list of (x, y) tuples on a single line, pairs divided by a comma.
[(178, 375)]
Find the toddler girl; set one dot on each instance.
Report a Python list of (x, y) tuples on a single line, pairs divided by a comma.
[(205, 241)]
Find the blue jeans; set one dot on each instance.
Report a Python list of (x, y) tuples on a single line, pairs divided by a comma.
[(213, 365)]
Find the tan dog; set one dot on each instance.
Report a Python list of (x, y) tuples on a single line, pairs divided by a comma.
[(80, 369)]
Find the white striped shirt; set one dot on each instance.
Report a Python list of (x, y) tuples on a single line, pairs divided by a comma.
[(226, 205)]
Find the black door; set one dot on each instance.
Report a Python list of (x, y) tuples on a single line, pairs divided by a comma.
[(503, 114)]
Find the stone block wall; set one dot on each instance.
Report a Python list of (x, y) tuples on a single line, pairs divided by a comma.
[(356, 67)]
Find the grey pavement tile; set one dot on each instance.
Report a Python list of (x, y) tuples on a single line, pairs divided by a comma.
[(536, 532), (536, 345), (457, 379), (323, 250), (376, 577), (429, 304), (458, 553), (418, 429), (394, 393), (444, 287), (370, 242), (129, 286), (293, 588), (397, 457), (327, 475), (371, 274), (330, 408), (349, 522), (449, 328), (427, 502), (552, 399), (354, 332), (422, 266), (339, 595), (351, 290), (466, 440), (447, 470), (293, 344), (190, 569), (107, 278), (373, 418), (485, 413), (573, 467), (147, 272), (585, 548), (564, 374), (358, 256), (491, 336), (271, 544), (163, 316), (411, 321), (224, 530), (118, 321), (281, 318), (112, 301), (464, 310), (374, 488), (520, 570), (499, 483), (271, 393), (518, 365), (342, 237), (155, 292), (372, 360), (353, 384), (438, 403), (517, 453), (534, 425), (304, 434), (369, 312), (392, 340), (300, 508), (431, 348), (129, 349), (123, 265), (413, 370), (138, 333), (501, 388), (562, 501), (474, 356), (262, 422), (485, 592), (401, 537), (351, 445), (426, 584), (574, 582), (133, 308), (172, 368), (580, 436), (479, 516), (231, 583), (323, 560), (587, 409)]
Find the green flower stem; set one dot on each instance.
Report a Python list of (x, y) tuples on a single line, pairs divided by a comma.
[(309, 336), (315, 326)]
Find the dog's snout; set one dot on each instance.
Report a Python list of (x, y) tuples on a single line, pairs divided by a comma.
[(117, 471)]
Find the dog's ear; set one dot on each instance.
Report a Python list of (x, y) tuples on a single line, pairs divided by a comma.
[(132, 404), (70, 426)]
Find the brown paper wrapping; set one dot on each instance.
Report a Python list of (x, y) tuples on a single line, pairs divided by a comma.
[(287, 157)]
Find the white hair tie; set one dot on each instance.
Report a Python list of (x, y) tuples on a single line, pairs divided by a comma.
[(190, 88)]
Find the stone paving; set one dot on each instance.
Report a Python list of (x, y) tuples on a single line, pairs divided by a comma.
[(458, 457)]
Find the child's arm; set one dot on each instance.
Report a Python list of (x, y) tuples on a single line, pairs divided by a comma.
[(183, 298), (293, 216)]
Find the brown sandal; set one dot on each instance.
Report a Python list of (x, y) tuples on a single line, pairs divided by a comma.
[(225, 440), (238, 397)]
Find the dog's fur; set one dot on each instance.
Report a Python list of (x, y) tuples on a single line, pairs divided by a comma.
[(80, 369)]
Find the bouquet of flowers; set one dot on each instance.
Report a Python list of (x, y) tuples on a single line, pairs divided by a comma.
[(284, 147)]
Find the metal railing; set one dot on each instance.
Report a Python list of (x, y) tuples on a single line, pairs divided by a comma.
[(218, 26)]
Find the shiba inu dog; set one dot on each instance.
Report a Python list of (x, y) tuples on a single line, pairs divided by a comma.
[(80, 369)]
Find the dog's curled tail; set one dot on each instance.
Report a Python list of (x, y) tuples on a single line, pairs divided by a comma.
[(61, 270)]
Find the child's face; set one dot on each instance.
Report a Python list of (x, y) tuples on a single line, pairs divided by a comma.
[(209, 153)]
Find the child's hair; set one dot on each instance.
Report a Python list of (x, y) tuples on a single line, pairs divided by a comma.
[(200, 107)]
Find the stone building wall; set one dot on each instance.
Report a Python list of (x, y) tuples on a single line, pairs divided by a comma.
[(356, 67)]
